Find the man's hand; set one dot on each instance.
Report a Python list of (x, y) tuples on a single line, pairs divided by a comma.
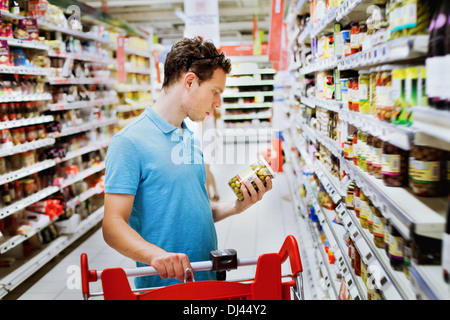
[(172, 265), (251, 196)]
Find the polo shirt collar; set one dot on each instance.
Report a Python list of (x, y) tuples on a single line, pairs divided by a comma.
[(162, 124)]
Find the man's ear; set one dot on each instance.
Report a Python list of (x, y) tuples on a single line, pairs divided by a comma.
[(189, 79)]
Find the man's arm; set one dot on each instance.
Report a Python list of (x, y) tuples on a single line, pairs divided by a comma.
[(224, 210), (121, 237)]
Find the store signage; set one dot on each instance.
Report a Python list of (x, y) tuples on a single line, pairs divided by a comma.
[(202, 19), (120, 56), (275, 36)]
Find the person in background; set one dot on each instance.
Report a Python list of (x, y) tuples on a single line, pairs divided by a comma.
[(157, 209)]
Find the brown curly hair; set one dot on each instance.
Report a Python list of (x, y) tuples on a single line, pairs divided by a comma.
[(196, 55)]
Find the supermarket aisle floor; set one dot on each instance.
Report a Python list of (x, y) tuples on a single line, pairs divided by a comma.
[(261, 229)]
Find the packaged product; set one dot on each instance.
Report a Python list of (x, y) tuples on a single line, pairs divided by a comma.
[(27, 29), (394, 165), (4, 53), (364, 98), (259, 169), (377, 150), (399, 113), (427, 171)]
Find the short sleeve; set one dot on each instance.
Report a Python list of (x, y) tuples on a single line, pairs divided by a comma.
[(122, 173)]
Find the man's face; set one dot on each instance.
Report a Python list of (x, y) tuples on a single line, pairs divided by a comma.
[(204, 98)]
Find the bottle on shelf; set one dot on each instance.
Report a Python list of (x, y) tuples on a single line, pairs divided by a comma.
[(436, 55)]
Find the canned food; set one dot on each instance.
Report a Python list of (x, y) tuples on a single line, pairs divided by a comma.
[(259, 169)]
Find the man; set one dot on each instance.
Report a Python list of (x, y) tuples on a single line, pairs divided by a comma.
[(157, 210)]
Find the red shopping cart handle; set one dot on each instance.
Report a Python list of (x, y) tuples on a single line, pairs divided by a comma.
[(289, 249)]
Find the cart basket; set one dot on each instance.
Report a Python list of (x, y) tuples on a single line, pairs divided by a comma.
[(267, 284)]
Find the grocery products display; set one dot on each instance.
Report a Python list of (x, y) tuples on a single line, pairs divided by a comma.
[(61, 102), (369, 145)]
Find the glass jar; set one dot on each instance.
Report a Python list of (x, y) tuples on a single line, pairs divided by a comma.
[(354, 37), (354, 148), (362, 151), (348, 149), (396, 249), (363, 211), (362, 34), (394, 165), (350, 93), (363, 87), (355, 99), (377, 150), (378, 228), (350, 202), (427, 171), (369, 154), (259, 169), (357, 200), (370, 216), (384, 103)]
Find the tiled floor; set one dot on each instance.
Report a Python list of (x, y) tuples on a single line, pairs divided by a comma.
[(260, 229)]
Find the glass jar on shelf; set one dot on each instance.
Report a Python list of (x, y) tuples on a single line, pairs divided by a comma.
[(369, 154), (427, 171), (377, 150), (394, 165)]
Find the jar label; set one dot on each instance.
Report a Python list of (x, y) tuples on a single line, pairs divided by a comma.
[(424, 171), (396, 247), (390, 164), (378, 229), (246, 175), (376, 159), (363, 211)]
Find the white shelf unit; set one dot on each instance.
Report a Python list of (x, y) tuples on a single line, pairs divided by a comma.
[(248, 97), (410, 214), (20, 267)]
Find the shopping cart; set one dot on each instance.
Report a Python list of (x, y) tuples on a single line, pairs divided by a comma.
[(268, 283)]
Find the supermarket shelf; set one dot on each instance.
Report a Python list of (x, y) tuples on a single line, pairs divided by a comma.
[(64, 81), (78, 34), (7, 150), (82, 104), (124, 87), (408, 212), (405, 48), (238, 117), (84, 127), (247, 94), (433, 123), (25, 97), (430, 280), (87, 57), (82, 175), (24, 70), (19, 205), (98, 189), (250, 105), (25, 43), (397, 50), (248, 82), (23, 172), (25, 122), (251, 71), (10, 279)]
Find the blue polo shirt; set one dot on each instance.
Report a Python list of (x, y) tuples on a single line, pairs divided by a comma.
[(150, 159)]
